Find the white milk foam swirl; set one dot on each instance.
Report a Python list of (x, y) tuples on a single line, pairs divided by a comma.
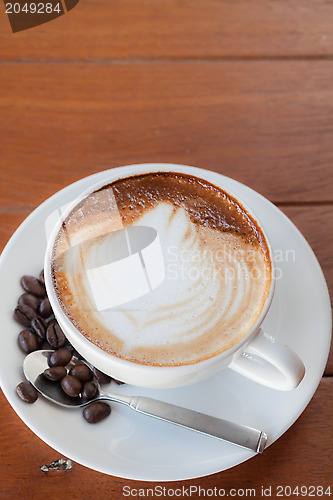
[(214, 289)]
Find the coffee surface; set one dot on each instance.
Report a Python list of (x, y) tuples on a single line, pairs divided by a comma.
[(216, 264)]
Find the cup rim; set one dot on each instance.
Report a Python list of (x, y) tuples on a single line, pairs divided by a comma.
[(81, 342)]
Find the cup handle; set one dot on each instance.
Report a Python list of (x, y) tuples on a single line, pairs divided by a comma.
[(269, 362)]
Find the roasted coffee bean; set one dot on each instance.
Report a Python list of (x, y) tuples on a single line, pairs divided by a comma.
[(89, 390), (33, 285), (55, 373), (51, 321), (81, 371), (55, 336), (27, 392), (96, 412), (101, 377), (29, 300), (23, 314), (28, 341), (71, 386), (60, 357), (41, 277), (39, 326), (45, 345), (45, 309), (68, 345)]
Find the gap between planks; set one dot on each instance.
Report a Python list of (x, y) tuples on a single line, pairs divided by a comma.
[(177, 60)]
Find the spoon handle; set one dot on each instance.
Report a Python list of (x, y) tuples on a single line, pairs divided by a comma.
[(241, 435)]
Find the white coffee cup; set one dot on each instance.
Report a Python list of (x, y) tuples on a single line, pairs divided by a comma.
[(279, 367)]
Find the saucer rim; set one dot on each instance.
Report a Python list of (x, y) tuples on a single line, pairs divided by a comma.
[(314, 383)]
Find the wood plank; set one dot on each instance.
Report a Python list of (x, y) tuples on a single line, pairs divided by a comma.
[(302, 456), (268, 124), (176, 29)]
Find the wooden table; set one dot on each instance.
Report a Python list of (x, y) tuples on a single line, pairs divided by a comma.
[(242, 88)]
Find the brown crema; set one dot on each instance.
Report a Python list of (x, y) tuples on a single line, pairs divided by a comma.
[(205, 204)]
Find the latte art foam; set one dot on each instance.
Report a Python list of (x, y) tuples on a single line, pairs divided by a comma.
[(217, 269)]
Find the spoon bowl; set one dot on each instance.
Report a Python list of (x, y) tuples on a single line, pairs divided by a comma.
[(33, 367), (247, 437)]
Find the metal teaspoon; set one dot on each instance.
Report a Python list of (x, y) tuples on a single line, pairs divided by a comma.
[(247, 437)]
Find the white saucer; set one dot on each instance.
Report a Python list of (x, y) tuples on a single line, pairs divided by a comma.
[(133, 446)]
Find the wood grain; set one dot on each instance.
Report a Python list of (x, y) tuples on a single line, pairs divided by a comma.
[(268, 124), (174, 29), (242, 88), (286, 462)]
